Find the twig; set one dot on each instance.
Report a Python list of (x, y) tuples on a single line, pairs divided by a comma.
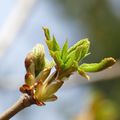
[(24, 101)]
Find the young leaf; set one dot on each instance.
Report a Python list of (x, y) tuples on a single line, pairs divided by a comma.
[(56, 46), (49, 44), (72, 54), (78, 44), (78, 53), (84, 51), (70, 61), (57, 58), (53, 44), (64, 51), (47, 33), (95, 67)]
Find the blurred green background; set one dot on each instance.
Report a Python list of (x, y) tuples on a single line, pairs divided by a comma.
[(100, 21)]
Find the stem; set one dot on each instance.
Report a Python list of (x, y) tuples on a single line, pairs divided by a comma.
[(24, 101)]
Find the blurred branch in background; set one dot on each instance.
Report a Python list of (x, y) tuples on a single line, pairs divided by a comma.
[(14, 22), (101, 108)]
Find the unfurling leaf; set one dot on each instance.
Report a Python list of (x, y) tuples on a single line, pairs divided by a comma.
[(95, 67), (70, 61), (55, 46), (78, 44), (57, 58), (64, 50), (47, 33), (51, 42), (80, 49)]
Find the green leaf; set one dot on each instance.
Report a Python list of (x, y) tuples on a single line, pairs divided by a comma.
[(80, 50), (47, 33), (78, 53), (64, 50), (75, 65), (49, 44), (72, 54), (83, 51), (70, 61), (57, 58), (56, 46), (78, 44), (95, 67)]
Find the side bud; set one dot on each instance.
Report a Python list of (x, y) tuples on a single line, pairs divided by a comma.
[(29, 63), (29, 79)]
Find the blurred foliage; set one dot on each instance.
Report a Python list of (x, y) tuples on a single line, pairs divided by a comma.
[(110, 90), (101, 108), (100, 23), (105, 102)]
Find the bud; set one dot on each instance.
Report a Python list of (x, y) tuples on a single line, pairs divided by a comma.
[(29, 63), (83, 74), (39, 58), (29, 79), (43, 75), (53, 87), (45, 92)]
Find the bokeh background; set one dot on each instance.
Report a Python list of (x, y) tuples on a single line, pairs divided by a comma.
[(21, 23)]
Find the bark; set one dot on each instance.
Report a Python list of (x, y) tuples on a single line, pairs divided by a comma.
[(23, 102)]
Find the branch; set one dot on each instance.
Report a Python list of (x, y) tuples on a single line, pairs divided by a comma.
[(23, 102)]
